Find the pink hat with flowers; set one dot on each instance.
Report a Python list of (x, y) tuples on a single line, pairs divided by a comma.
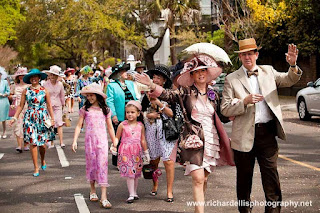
[(200, 61), (93, 88), (20, 71), (135, 103)]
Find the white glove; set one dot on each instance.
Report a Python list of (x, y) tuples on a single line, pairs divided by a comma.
[(146, 157), (113, 150)]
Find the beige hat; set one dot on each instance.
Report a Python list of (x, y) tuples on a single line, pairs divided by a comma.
[(54, 70), (246, 45), (93, 88)]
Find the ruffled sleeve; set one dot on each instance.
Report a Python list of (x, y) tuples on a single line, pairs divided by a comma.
[(82, 112)]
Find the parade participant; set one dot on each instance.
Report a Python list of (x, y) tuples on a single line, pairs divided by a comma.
[(250, 95), (18, 89), (97, 116), (56, 90), (158, 146), (209, 145), (4, 101), (83, 81), (133, 141), (119, 92), (37, 125), (70, 79), (140, 67)]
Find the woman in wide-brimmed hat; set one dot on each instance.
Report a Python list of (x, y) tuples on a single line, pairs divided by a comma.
[(4, 101), (159, 148), (212, 147), (37, 126), (70, 79), (85, 80), (56, 90), (17, 93)]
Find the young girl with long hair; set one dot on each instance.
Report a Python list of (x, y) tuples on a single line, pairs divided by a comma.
[(130, 152), (97, 115)]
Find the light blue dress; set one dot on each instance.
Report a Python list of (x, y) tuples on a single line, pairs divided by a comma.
[(4, 101)]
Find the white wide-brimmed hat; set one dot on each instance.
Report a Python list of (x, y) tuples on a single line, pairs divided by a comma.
[(93, 88), (200, 61), (54, 70)]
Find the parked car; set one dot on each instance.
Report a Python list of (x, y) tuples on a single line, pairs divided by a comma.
[(308, 100)]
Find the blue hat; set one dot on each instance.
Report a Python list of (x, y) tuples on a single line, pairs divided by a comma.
[(26, 78)]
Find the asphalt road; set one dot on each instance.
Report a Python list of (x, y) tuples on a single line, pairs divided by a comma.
[(54, 190)]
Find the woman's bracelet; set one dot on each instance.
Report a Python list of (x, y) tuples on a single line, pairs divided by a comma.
[(162, 108)]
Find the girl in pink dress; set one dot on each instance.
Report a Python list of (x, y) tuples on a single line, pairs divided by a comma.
[(96, 115), (130, 153)]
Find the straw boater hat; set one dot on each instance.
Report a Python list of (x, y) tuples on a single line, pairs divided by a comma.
[(164, 71), (72, 70), (26, 78), (93, 88), (54, 70), (200, 61), (246, 45), (21, 71)]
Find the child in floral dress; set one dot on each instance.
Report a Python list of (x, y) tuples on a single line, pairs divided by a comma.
[(96, 115), (130, 152)]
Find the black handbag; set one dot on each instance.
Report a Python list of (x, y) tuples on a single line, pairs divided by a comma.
[(173, 126), (147, 171)]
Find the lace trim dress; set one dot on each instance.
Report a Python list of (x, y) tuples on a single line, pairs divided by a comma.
[(203, 113)]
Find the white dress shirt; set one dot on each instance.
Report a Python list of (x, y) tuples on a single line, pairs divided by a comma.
[(263, 113)]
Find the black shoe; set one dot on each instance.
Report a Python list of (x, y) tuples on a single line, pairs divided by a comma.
[(130, 199), (19, 150), (170, 199), (153, 193)]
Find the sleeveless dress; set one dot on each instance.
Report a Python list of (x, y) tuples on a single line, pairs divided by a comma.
[(130, 151), (35, 131), (4, 101), (96, 145), (71, 82)]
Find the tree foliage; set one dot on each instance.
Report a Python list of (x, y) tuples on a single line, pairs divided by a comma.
[(10, 17)]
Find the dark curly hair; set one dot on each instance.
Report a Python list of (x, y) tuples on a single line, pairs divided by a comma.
[(101, 102)]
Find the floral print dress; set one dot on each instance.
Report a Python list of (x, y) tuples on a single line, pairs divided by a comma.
[(96, 145), (35, 131)]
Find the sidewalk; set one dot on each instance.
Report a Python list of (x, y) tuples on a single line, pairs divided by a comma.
[(288, 103)]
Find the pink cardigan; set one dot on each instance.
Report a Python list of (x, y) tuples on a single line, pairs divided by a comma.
[(56, 93)]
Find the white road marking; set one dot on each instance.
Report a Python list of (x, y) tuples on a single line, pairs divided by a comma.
[(1, 155), (81, 203), (62, 157), (68, 178)]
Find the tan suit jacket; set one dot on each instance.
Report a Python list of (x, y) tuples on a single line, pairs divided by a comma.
[(237, 85)]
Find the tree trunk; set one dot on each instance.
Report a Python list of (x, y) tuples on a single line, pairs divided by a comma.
[(173, 55)]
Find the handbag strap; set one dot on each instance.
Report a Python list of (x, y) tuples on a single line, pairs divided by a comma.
[(185, 115)]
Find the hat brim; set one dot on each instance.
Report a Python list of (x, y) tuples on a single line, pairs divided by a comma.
[(168, 79), (185, 79), (247, 50), (26, 78), (93, 91), (124, 68), (72, 71), (47, 72), (17, 75)]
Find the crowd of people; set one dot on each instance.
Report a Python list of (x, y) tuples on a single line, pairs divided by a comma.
[(136, 107)]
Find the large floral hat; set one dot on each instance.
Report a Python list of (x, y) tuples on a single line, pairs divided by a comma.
[(21, 71), (199, 61), (93, 88)]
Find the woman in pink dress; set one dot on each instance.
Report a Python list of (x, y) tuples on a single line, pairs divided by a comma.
[(56, 90), (19, 86), (96, 115), (130, 153)]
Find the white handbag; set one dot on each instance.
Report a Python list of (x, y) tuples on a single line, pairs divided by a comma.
[(48, 123)]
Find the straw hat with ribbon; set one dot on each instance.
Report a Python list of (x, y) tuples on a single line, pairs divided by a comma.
[(200, 61), (93, 88), (246, 45)]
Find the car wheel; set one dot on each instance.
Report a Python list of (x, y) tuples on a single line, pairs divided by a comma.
[(302, 110)]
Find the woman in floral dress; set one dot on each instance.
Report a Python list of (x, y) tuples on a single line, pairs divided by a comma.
[(36, 133)]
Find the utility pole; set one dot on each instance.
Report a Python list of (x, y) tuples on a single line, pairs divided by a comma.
[(212, 28)]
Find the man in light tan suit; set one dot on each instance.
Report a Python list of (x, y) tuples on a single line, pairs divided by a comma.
[(250, 96)]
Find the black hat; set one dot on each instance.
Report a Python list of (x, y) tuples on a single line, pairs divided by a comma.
[(176, 70), (164, 71), (119, 67)]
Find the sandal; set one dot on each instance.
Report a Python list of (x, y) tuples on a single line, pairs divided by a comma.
[(130, 199), (153, 193), (19, 150), (170, 199), (4, 136), (136, 197), (105, 204), (94, 197)]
